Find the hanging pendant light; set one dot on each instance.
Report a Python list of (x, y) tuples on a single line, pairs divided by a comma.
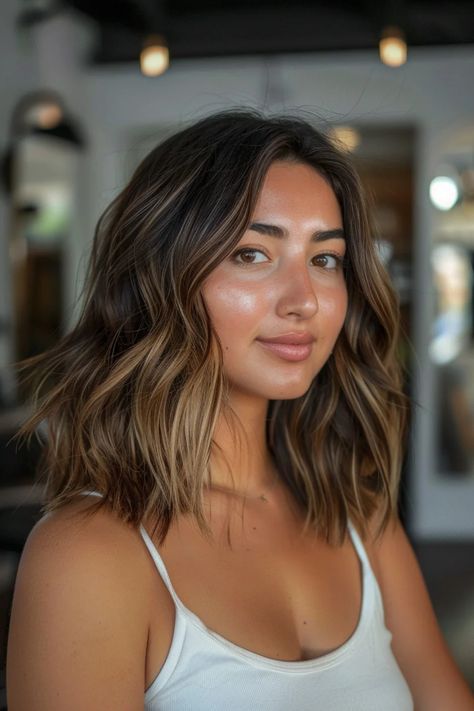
[(154, 57), (392, 46)]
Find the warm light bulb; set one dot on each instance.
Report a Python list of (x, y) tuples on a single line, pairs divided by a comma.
[(392, 47), (49, 115), (347, 137), (154, 57), (45, 113)]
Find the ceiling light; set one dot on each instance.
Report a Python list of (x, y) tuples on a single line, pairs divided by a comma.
[(347, 137), (154, 57), (392, 47), (47, 114)]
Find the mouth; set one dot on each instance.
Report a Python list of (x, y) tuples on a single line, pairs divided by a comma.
[(289, 351)]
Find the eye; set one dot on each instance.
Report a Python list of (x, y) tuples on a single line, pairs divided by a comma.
[(330, 261), (245, 252)]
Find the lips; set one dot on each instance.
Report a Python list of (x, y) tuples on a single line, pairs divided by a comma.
[(294, 338), (292, 346)]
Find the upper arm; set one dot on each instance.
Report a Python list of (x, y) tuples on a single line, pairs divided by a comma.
[(417, 642), (78, 628)]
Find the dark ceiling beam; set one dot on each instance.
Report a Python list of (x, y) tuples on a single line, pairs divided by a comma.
[(207, 28), (153, 12)]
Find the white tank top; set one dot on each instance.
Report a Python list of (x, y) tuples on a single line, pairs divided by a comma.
[(204, 671)]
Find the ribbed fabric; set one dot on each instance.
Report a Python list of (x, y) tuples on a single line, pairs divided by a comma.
[(204, 671)]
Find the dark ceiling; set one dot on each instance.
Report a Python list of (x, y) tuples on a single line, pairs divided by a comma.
[(219, 28)]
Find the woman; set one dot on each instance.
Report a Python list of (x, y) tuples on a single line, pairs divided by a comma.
[(231, 398)]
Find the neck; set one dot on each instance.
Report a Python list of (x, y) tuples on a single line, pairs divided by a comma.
[(240, 458)]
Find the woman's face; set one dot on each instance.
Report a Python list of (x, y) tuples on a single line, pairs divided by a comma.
[(282, 278)]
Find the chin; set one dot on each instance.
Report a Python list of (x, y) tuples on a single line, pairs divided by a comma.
[(290, 394), (286, 391), (283, 387)]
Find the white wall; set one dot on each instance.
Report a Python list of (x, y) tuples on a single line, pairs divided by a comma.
[(433, 90)]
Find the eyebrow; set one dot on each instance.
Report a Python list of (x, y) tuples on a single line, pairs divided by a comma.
[(282, 233)]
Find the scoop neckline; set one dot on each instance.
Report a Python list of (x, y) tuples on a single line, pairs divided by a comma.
[(297, 666)]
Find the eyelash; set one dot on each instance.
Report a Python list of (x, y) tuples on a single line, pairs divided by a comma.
[(339, 259)]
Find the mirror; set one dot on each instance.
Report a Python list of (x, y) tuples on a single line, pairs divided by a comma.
[(452, 334), (42, 166)]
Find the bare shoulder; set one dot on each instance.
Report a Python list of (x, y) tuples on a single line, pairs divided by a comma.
[(68, 526), (417, 641), (79, 618)]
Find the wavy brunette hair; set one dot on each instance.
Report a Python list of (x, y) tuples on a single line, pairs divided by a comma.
[(136, 387)]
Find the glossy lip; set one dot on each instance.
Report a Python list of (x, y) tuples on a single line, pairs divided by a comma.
[(293, 338), (289, 351)]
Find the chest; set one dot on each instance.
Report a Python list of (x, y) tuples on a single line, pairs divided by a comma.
[(273, 592)]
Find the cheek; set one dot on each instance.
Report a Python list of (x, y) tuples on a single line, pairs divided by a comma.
[(233, 308), (332, 312), (333, 305)]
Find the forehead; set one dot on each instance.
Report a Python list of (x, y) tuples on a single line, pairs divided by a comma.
[(299, 188)]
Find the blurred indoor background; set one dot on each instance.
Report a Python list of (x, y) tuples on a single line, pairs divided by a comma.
[(87, 88)]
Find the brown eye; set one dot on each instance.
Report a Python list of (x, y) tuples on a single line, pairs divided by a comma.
[(245, 253), (329, 261)]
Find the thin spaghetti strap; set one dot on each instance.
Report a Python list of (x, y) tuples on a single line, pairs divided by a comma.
[(369, 575), (159, 562), (359, 546)]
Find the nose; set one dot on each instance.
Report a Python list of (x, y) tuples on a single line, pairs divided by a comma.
[(298, 295)]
